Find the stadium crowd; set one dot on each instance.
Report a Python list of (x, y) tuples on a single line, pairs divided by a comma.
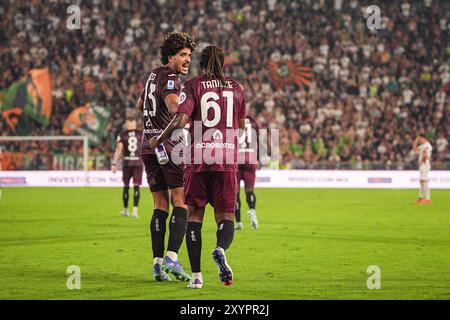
[(372, 90)]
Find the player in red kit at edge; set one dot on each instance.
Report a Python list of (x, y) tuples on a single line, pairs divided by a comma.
[(248, 163), (158, 104), (129, 146), (215, 103)]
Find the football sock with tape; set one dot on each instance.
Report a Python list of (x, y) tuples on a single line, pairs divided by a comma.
[(194, 245), (136, 196), (177, 228), (422, 193), (125, 196), (225, 234), (237, 213), (158, 232), (251, 199), (426, 191)]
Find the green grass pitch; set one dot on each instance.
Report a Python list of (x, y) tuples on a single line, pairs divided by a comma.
[(312, 244)]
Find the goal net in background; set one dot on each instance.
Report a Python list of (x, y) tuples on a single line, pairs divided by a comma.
[(29, 153), (39, 154)]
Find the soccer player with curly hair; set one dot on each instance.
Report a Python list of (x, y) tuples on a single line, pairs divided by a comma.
[(158, 103)]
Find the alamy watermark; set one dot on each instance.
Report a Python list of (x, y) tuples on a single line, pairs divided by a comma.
[(74, 280), (224, 147), (373, 17), (73, 21), (374, 277)]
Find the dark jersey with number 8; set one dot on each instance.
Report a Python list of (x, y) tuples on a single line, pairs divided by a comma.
[(131, 140)]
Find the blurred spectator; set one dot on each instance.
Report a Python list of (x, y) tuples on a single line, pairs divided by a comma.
[(371, 90)]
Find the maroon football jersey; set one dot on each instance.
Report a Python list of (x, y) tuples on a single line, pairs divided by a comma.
[(161, 82), (131, 140), (248, 142), (215, 111)]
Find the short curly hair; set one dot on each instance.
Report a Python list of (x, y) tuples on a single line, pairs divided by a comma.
[(174, 42)]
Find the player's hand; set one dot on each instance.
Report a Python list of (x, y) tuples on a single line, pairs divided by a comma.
[(153, 142), (114, 168)]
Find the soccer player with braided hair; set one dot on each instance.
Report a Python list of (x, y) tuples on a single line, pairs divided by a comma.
[(216, 104)]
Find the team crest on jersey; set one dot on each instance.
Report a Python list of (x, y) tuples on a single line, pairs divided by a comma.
[(170, 85), (182, 97)]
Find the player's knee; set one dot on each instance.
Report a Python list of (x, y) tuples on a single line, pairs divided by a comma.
[(162, 205), (161, 201), (177, 196), (195, 218), (195, 214), (179, 202), (220, 216)]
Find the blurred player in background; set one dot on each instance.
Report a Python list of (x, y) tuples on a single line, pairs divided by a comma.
[(214, 103), (129, 146), (158, 104), (423, 148), (248, 155)]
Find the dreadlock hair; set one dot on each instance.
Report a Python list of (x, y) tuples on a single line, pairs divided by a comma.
[(174, 42), (211, 60)]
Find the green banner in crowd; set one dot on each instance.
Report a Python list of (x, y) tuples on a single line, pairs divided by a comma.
[(91, 120)]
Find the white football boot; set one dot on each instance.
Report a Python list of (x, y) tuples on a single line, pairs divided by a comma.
[(124, 212), (254, 221), (135, 213)]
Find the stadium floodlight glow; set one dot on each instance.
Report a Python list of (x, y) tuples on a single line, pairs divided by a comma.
[(57, 138)]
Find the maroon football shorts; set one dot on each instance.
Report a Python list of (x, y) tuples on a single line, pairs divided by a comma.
[(134, 172), (162, 177), (247, 172), (216, 187)]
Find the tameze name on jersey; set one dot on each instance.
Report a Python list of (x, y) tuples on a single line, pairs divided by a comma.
[(216, 84)]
